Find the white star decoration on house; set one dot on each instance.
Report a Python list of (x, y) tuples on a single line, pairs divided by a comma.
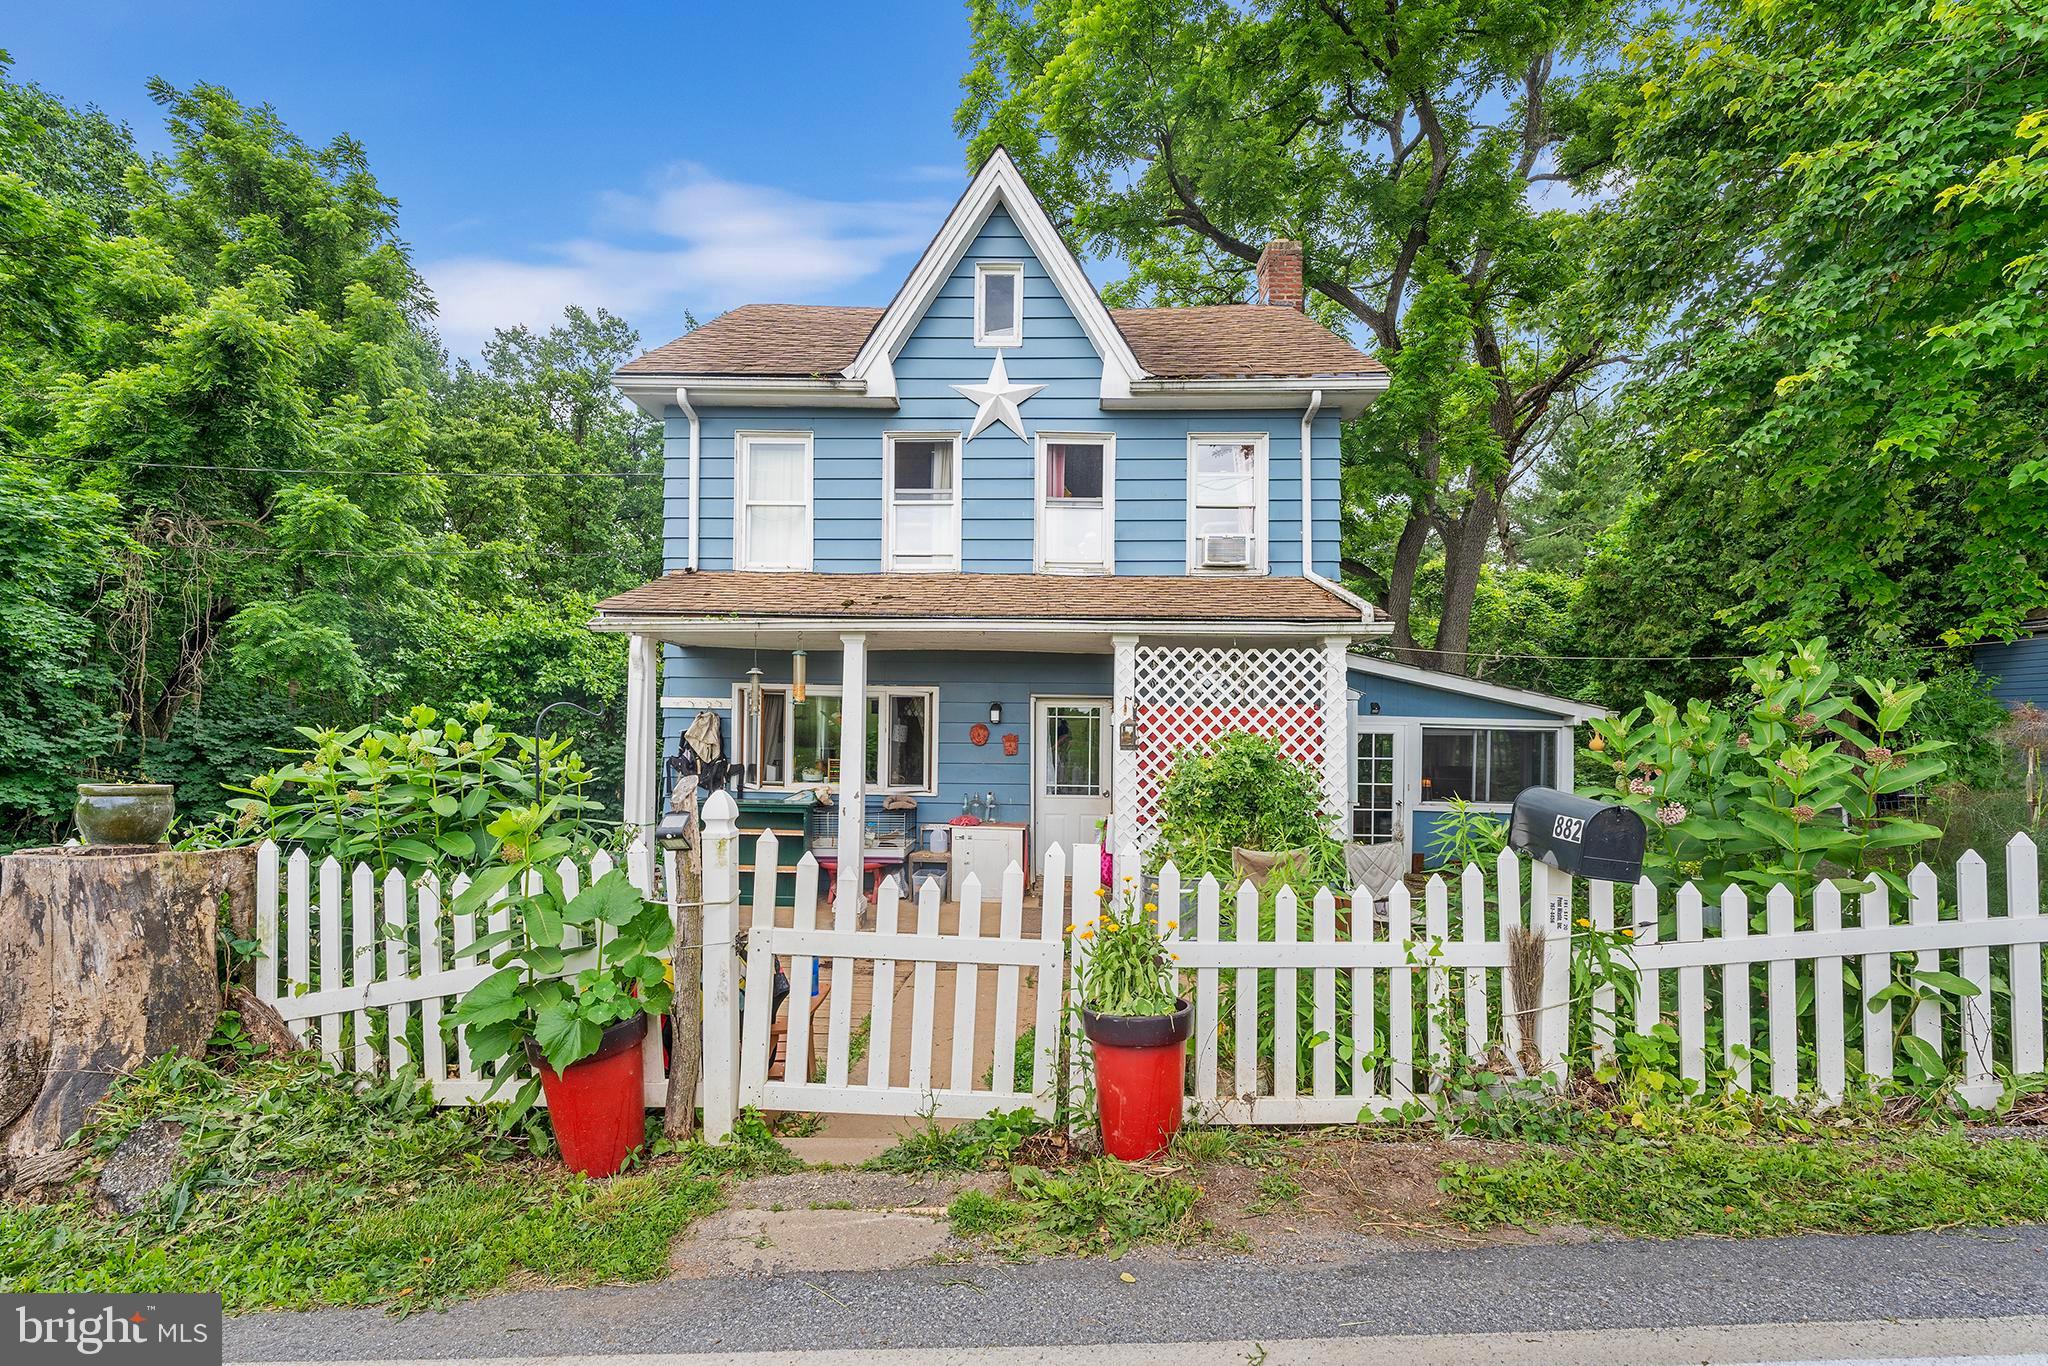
[(998, 400)]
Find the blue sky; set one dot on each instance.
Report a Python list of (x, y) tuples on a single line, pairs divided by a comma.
[(644, 157)]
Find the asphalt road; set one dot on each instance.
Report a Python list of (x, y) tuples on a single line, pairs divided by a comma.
[(1963, 1275)]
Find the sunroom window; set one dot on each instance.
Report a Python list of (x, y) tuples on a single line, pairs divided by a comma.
[(1074, 506), (775, 500), (1485, 765), (999, 303), (923, 503)]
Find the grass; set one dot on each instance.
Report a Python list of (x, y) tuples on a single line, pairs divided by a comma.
[(991, 1141), (298, 1191), (1757, 1189), (1103, 1206)]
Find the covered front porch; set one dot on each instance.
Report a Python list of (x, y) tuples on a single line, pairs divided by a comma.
[(1036, 728)]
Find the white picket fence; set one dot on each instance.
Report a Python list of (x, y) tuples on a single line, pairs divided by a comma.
[(369, 971), (1351, 1009)]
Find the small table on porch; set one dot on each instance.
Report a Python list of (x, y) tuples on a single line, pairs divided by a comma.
[(876, 861)]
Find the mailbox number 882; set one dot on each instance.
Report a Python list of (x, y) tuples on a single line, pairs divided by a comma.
[(1569, 829)]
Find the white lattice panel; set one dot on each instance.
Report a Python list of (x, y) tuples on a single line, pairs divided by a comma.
[(1186, 697)]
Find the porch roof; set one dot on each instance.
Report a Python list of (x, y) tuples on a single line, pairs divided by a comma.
[(683, 596)]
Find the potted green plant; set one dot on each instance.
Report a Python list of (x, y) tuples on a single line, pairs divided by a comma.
[(568, 1021), (118, 806), (1138, 1030)]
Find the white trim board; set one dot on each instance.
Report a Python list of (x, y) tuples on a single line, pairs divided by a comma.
[(1564, 708)]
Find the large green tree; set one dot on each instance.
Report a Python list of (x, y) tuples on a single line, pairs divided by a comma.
[(1412, 147), (1841, 212)]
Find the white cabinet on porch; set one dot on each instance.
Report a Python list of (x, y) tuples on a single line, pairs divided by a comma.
[(986, 851)]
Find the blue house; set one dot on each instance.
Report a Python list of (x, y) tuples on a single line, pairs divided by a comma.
[(2018, 668), (1048, 543)]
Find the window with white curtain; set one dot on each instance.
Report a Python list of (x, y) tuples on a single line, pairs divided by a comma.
[(796, 744), (1226, 501), (774, 522), (923, 503), (1074, 503), (999, 303)]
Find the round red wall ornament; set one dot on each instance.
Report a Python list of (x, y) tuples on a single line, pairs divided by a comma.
[(978, 733), (1009, 744)]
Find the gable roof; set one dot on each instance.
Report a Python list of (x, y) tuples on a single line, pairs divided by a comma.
[(765, 340), (1145, 351), (1223, 341)]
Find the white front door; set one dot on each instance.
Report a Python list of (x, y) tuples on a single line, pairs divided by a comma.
[(1070, 739)]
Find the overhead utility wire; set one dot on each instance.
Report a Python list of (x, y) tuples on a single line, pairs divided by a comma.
[(347, 473)]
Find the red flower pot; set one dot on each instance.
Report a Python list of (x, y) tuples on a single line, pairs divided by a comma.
[(596, 1104), (1140, 1061)]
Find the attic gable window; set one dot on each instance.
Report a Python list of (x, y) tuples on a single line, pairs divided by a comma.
[(999, 303), (774, 521)]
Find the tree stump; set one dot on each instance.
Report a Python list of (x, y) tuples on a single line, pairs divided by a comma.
[(107, 959)]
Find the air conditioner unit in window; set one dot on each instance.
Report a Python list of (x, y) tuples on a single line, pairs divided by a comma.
[(1227, 550)]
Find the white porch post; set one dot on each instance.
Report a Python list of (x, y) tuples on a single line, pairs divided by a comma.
[(1123, 763), (853, 760), (1337, 731), (643, 732)]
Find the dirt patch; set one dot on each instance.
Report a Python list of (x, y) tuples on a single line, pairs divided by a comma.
[(1336, 1196)]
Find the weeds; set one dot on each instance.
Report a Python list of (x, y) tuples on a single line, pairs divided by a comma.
[(1102, 1206), (297, 1190), (994, 1140), (1716, 1186)]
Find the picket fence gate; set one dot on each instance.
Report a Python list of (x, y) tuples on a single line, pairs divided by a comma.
[(1352, 1010)]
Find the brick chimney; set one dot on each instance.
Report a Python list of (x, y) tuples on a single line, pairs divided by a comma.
[(1280, 275)]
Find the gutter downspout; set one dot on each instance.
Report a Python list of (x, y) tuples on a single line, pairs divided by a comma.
[(683, 402), (1308, 515)]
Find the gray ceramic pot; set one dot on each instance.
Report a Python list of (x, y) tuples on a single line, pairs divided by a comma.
[(124, 813)]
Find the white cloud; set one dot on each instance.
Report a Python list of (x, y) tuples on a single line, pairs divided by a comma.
[(690, 240)]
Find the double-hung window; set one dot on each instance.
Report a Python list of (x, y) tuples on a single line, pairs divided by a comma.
[(999, 303), (921, 504), (1485, 765), (773, 477), (1227, 503), (1076, 517), (795, 744)]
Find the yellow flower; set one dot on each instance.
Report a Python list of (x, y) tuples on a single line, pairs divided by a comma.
[(1102, 891), (1152, 906), (1173, 924), (1585, 924), (1174, 956), (1629, 933), (1087, 934)]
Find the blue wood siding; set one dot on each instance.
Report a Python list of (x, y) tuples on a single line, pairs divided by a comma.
[(999, 498), (1400, 698), (967, 683), (2018, 670)]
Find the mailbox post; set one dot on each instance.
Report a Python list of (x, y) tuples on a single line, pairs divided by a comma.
[(1577, 837)]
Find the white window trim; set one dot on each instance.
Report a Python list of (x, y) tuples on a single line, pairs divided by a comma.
[(741, 552), (1362, 726), (982, 336), (889, 440), (1560, 759), (1262, 518), (880, 691), (1107, 440)]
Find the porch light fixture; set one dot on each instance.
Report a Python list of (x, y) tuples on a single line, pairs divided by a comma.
[(995, 713), (798, 684)]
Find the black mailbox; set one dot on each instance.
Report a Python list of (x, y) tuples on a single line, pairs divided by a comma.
[(1577, 835)]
